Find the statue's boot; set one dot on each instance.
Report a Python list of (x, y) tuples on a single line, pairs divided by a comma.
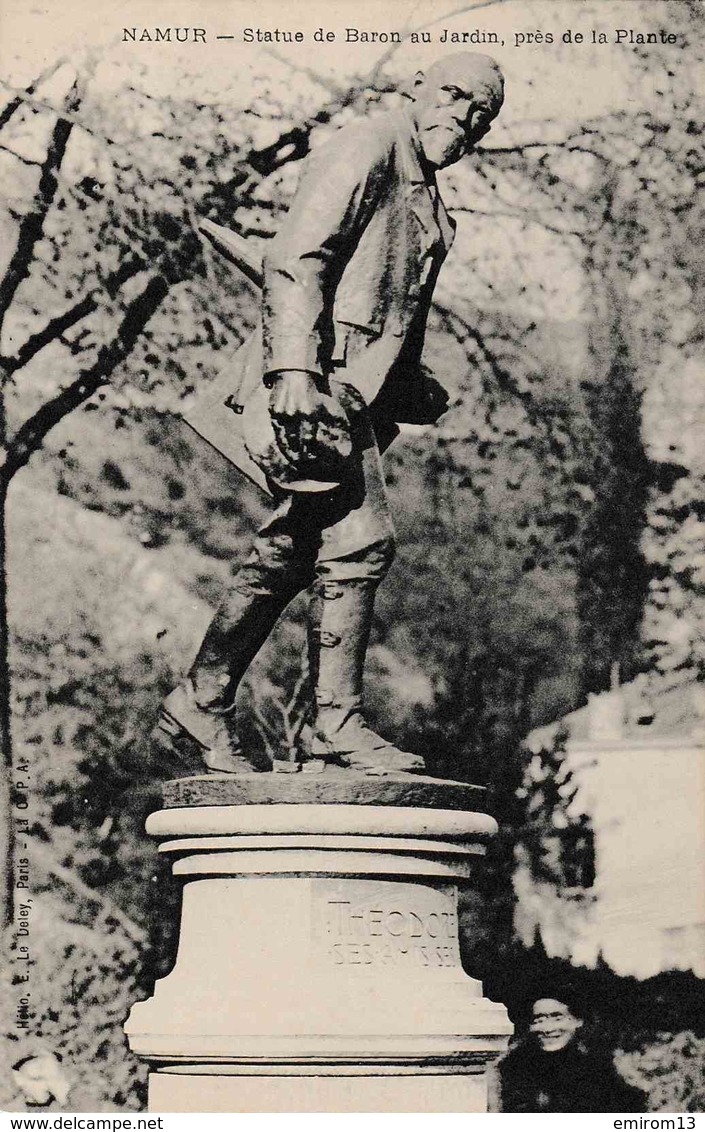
[(339, 629), (183, 726), (200, 712)]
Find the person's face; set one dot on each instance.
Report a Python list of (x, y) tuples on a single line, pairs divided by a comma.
[(452, 118), (552, 1024)]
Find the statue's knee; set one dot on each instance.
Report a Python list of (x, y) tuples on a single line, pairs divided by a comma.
[(272, 554), (381, 555), (368, 565), (276, 565)]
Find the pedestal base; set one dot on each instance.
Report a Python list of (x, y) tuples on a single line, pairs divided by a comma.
[(318, 966), (392, 1091)]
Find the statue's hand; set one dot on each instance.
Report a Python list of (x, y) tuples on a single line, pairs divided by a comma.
[(310, 427)]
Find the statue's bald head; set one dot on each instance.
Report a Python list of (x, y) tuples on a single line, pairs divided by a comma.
[(457, 99), (479, 74)]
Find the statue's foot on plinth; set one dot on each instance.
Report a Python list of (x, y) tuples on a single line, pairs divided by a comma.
[(343, 737), (187, 732), (377, 764), (387, 760)]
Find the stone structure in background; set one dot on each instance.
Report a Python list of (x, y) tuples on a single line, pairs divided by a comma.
[(637, 757)]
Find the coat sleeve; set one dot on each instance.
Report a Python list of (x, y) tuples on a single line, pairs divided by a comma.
[(340, 188)]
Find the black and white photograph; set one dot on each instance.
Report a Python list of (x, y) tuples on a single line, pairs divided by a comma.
[(352, 565)]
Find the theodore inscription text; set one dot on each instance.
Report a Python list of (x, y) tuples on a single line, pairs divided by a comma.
[(397, 931)]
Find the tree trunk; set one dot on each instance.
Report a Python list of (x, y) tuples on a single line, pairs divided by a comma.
[(27, 440)]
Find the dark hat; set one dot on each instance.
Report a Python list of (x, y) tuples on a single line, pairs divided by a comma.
[(563, 990)]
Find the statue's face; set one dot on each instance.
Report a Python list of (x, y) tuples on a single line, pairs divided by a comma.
[(454, 110), (552, 1024)]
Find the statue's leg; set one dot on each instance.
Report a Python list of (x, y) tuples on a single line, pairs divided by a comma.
[(201, 709), (357, 549), (280, 566)]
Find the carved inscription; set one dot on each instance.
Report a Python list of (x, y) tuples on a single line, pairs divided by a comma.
[(383, 933)]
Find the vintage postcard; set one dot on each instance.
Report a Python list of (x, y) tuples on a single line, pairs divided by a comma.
[(353, 539)]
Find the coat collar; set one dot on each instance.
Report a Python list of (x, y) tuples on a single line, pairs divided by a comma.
[(422, 190), (411, 153)]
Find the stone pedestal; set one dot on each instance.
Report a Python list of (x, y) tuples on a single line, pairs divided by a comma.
[(318, 966)]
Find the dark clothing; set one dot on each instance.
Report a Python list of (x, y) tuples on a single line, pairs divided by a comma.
[(569, 1080)]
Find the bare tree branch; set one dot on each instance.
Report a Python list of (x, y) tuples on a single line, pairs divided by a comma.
[(108, 909), (311, 73), (504, 378), (459, 12), (393, 48), (14, 104), (58, 325), (53, 329), (31, 227), (18, 157), (30, 436)]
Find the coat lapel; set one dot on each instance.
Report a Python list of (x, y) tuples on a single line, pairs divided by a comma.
[(431, 220), (447, 224)]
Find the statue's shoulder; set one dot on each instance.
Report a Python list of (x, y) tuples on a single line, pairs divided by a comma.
[(368, 141)]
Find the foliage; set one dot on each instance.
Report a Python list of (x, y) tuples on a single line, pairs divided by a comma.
[(85, 978)]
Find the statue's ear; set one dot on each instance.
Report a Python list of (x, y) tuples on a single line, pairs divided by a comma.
[(409, 89)]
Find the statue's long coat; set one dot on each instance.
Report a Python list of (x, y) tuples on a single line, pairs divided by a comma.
[(348, 282)]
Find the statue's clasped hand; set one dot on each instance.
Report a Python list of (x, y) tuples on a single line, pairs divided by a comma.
[(310, 426)]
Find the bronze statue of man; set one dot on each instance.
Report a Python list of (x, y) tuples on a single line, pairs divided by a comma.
[(318, 393)]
